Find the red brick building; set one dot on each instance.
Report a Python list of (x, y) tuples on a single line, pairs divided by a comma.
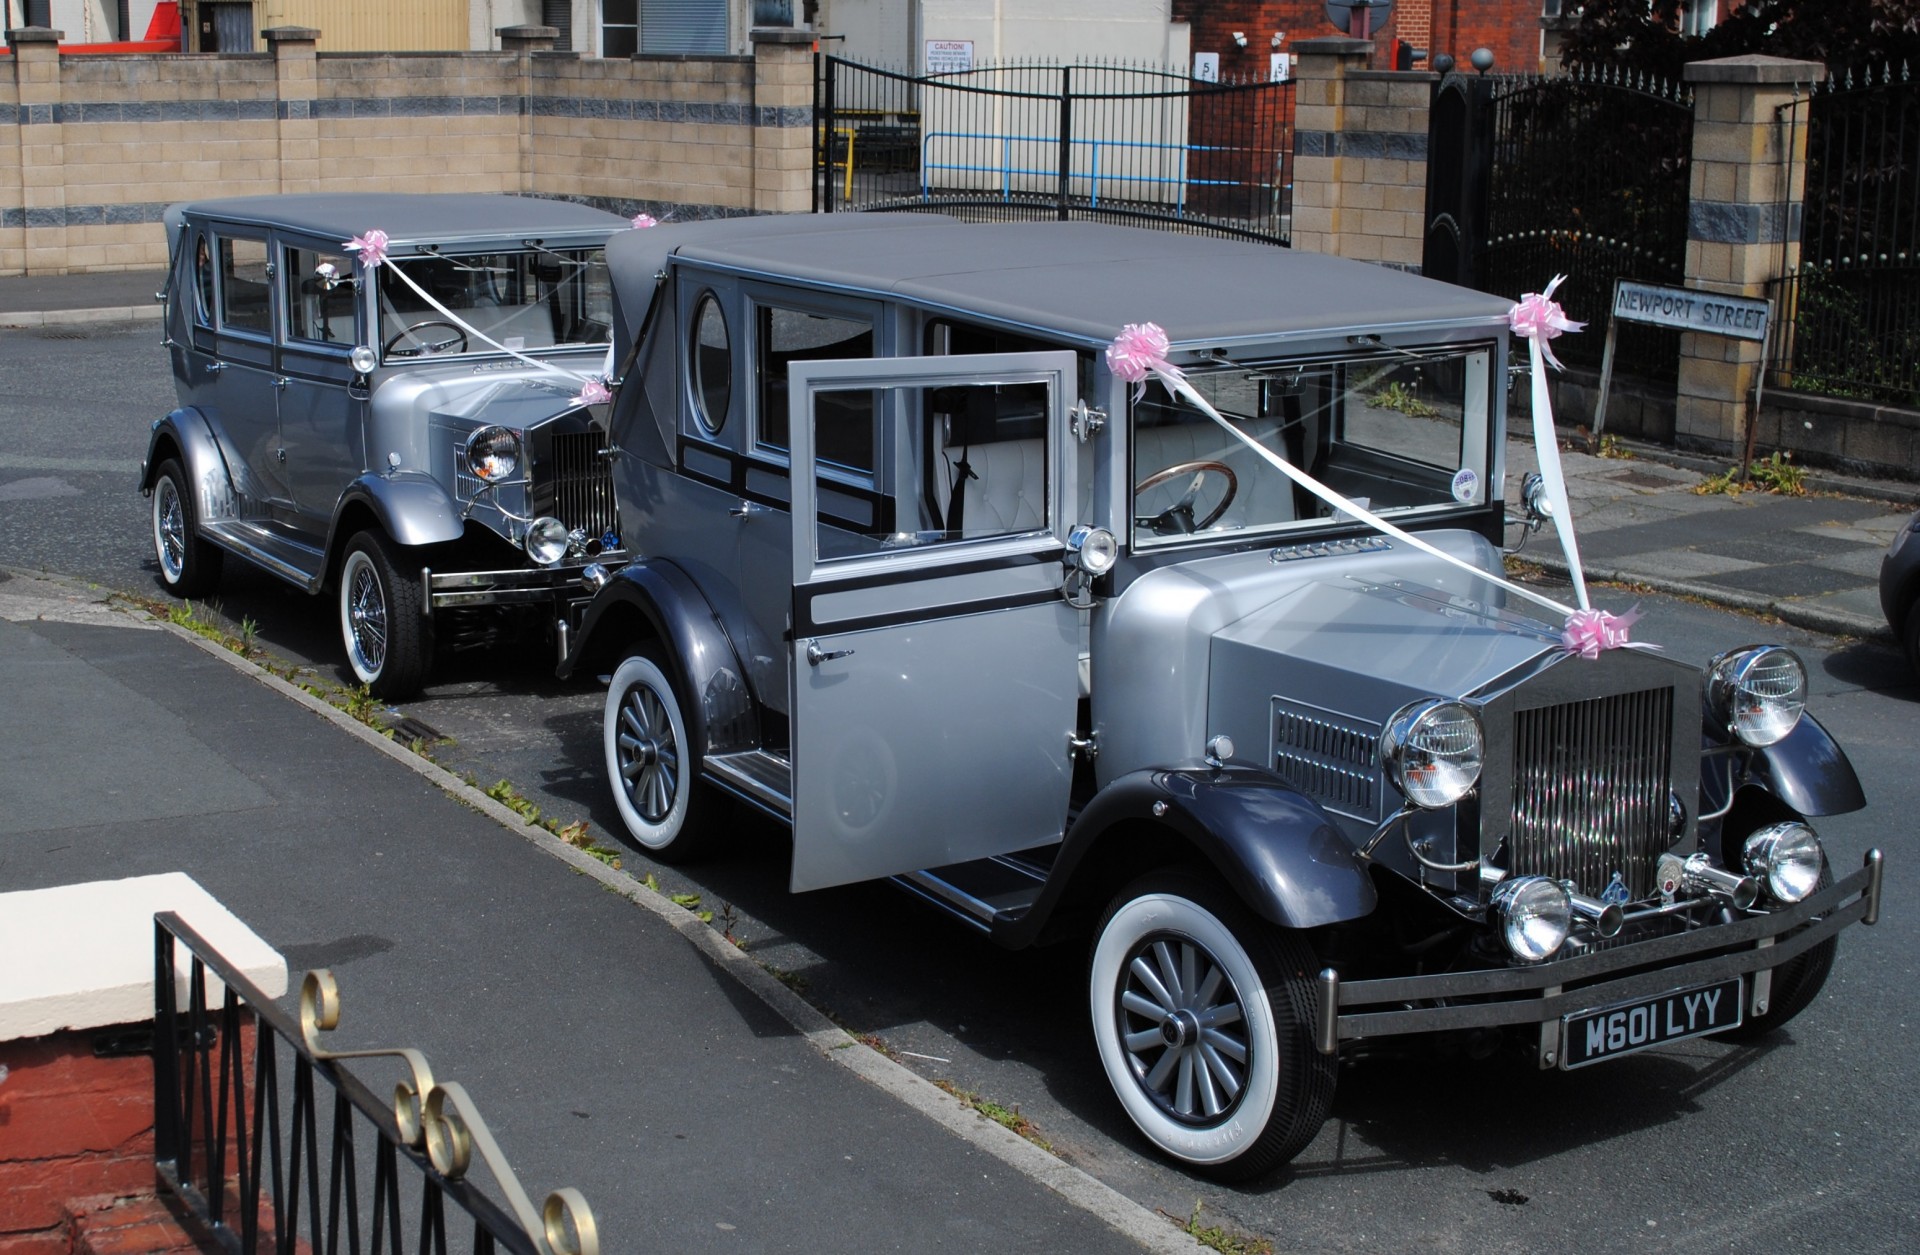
[(1510, 29)]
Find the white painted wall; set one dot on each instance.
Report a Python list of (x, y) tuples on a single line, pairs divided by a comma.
[(893, 33), (1061, 30)]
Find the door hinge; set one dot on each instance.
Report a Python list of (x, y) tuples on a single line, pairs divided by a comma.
[(1086, 748), (1086, 422)]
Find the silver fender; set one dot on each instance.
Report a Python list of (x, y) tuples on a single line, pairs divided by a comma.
[(186, 434), (411, 508)]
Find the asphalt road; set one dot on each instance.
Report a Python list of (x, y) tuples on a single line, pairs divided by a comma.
[(1807, 1141)]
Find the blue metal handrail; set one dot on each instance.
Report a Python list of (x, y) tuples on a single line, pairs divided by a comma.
[(1007, 170)]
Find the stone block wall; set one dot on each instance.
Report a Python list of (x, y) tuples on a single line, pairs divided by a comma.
[(92, 149), (1360, 155)]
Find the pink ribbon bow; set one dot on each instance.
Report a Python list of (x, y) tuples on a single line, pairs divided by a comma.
[(1539, 318), (593, 392), (1138, 351), (1589, 631), (372, 248), (645, 220)]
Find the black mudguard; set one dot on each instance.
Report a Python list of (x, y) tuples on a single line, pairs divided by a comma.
[(1806, 769), (677, 614), (1274, 847)]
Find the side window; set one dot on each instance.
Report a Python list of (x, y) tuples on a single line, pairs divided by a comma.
[(711, 365), (321, 295), (244, 303), (202, 279), (972, 462), (783, 336)]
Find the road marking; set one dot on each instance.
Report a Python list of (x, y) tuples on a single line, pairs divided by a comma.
[(108, 466)]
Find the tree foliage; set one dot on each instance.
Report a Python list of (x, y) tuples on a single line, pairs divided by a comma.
[(1645, 34)]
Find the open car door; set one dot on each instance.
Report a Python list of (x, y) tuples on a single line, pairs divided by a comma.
[(935, 661)]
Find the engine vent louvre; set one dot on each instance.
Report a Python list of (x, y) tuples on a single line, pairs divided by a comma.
[(1328, 757)]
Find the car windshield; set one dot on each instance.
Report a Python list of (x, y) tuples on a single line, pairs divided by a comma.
[(1399, 434), (524, 300)]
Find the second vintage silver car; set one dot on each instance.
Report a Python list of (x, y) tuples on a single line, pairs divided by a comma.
[(923, 574), (412, 442)]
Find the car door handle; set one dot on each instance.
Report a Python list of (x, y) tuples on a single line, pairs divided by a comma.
[(280, 382), (817, 655), (214, 368), (746, 510)]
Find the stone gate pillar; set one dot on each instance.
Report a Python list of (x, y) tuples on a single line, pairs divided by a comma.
[(1743, 226), (1360, 154), (296, 85), (41, 242), (782, 120)]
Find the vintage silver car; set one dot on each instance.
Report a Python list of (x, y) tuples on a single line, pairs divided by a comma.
[(924, 580), (412, 443)]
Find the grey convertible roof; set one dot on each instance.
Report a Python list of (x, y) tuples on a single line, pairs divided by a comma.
[(1074, 279), (406, 218)]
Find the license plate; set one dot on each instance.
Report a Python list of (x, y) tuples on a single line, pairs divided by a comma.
[(1596, 1036)]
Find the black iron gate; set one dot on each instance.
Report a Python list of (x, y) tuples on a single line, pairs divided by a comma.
[(1108, 142), (1584, 176)]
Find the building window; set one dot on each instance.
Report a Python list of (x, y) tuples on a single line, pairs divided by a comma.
[(1698, 17), (619, 28), (695, 27), (559, 15)]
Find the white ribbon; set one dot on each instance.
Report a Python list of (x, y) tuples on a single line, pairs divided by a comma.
[(1547, 447), (1347, 506)]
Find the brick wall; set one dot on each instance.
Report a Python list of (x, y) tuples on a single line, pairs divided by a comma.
[(77, 1127), (1510, 29), (92, 149)]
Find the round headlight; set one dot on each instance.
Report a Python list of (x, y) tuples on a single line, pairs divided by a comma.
[(363, 359), (1787, 858), (1757, 694), (547, 540), (1092, 549), (1535, 914), (1432, 751), (493, 453)]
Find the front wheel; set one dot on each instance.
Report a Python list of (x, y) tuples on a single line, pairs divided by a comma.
[(1201, 1015), (189, 566), (383, 620), (651, 763)]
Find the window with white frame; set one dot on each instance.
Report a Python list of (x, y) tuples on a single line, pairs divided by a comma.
[(1697, 17), (619, 28)]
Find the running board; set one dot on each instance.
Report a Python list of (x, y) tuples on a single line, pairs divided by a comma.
[(290, 559), (982, 893), (762, 778)]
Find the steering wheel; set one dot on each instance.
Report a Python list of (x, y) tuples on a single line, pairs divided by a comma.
[(440, 346), (1178, 517)]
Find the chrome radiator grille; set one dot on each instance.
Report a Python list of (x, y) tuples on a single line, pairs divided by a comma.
[(573, 481), (1590, 786)]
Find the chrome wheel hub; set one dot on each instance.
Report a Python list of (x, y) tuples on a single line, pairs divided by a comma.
[(367, 609), (1183, 1029)]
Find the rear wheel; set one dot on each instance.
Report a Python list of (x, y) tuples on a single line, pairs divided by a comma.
[(189, 566), (651, 762), (1202, 1018), (383, 620)]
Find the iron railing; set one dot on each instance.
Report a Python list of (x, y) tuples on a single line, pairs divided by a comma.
[(1119, 143), (1849, 308), (1589, 179), (241, 1107)]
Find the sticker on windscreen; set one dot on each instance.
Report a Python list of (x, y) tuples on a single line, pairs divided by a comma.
[(1466, 485)]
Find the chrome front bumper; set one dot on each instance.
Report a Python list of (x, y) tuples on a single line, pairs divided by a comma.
[(524, 586), (1544, 993)]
